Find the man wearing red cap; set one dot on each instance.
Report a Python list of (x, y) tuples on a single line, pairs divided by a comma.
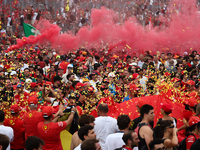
[(50, 131), (18, 127), (32, 118), (194, 120)]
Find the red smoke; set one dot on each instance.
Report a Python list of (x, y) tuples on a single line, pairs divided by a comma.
[(182, 33)]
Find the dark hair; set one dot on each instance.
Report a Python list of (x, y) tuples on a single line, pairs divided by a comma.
[(96, 66), (145, 109), (89, 144), (163, 125), (2, 116), (85, 119), (33, 142), (84, 131), (4, 141), (46, 61), (27, 69), (127, 136), (40, 71), (39, 76), (69, 75), (123, 121), (154, 142), (103, 108)]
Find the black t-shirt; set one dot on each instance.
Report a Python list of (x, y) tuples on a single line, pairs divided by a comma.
[(195, 145), (136, 121)]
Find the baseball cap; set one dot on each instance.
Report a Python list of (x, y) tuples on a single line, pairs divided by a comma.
[(47, 111), (193, 120), (78, 85), (32, 100), (60, 68), (140, 103), (166, 107), (14, 109), (20, 84), (33, 84)]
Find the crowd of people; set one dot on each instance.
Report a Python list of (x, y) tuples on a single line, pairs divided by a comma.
[(43, 93)]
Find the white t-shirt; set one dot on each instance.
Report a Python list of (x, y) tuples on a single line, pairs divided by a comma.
[(9, 21), (143, 82), (35, 15), (78, 147), (103, 127), (114, 141), (7, 131)]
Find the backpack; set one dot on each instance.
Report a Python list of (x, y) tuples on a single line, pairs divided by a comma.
[(182, 145)]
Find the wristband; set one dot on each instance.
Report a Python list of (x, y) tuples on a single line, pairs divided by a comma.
[(73, 111)]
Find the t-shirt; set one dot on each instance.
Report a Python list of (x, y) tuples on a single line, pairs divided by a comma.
[(19, 132), (190, 140), (196, 145), (114, 141), (50, 133), (7, 131), (31, 120), (104, 125), (78, 147)]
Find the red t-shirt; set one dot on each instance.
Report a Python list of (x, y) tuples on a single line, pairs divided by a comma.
[(19, 132), (190, 140), (50, 133), (31, 120)]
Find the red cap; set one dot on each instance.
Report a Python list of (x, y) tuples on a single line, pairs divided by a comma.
[(140, 103), (190, 82), (184, 72), (14, 109), (47, 111), (166, 107), (84, 67), (192, 102), (61, 67), (78, 85), (135, 75), (32, 100), (33, 84), (193, 120), (109, 65)]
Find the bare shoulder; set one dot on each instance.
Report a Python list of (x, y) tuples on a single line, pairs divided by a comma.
[(145, 130)]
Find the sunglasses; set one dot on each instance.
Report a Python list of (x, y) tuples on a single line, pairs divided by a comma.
[(69, 68), (194, 78)]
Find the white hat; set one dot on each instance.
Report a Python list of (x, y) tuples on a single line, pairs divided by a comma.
[(13, 73), (111, 74), (1, 66), (133, 64), (28, 80), (6, 73), (54, 53)]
